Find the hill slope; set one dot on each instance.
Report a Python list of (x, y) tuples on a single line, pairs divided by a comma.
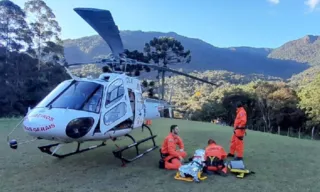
[(244, 60), (305, 50), (305, 77)]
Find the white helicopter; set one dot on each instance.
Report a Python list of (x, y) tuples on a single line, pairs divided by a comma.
[(109, 107)]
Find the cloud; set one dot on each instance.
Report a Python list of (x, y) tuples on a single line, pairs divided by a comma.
[(274, 1), (312, 3)]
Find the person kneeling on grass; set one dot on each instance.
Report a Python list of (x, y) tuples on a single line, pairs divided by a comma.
[(214, 159), (171, 158)]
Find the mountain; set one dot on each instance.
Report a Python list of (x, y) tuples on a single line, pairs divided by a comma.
[(304, 50), (242, 60)]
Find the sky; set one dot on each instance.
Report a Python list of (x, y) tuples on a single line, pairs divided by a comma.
[(222, 23)]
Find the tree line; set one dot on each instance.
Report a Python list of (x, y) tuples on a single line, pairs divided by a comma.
[(273, 105), (30, 52)]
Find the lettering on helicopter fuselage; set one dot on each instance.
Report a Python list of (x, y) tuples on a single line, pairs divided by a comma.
[(47, 117), (37, 129), (129, 80)]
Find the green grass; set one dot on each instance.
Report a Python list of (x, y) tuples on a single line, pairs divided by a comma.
[(281, 164)]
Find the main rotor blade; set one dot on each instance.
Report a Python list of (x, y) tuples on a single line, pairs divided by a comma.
[(102, 22), (75, 64), (177, 72), (102, 61)]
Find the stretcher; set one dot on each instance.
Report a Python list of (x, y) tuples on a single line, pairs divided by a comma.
[(189, 178), (193, 170), (238, 168)]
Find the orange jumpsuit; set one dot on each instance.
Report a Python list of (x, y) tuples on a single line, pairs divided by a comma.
[(214, 151), (171, 155), (236, 144)]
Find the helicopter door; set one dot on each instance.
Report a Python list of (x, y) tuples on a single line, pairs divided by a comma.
[(139, 110), (117, 106)]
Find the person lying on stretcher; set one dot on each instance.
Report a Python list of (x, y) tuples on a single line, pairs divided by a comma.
[(192, 171), (215, 156)]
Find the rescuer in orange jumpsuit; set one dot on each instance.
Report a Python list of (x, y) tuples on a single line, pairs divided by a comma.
[(172, 158), (236, 144), (215, 156)]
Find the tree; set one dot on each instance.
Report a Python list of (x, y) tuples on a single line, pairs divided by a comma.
[(263, 90), (149, 88), (229, 100), (22, 85), (136, 69), (272, 98), (14, 30), (164, 51), (210, 110), (309, 97), (44, 28)]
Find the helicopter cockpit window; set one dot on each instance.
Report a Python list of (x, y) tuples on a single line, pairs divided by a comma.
[(115, 92), (81, 95), (93, 103)]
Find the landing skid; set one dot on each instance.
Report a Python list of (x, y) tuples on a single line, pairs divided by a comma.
[(47, 149), (117, 153)]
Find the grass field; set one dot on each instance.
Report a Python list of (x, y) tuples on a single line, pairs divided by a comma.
[(280, 163)]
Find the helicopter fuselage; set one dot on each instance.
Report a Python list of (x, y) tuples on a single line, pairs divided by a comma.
[(90, 109)]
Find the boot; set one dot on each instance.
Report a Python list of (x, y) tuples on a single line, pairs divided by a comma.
[(161, 164), (230, 155), (205, 170)]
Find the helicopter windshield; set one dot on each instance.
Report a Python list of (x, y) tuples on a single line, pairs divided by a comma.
[(80, 95)]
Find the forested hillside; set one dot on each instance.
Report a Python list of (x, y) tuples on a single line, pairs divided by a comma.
[(305, 77), (272, 104), (305, 50)]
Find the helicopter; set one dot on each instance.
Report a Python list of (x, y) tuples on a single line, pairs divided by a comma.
[(105, 108)]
